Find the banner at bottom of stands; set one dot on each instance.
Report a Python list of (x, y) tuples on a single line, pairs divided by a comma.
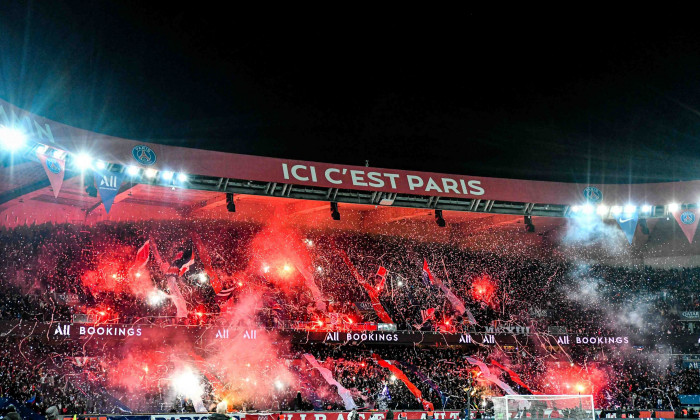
[(314, 415)]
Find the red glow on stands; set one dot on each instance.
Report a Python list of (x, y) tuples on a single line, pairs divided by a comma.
[(575, 379), (278, 253), (484, 289)]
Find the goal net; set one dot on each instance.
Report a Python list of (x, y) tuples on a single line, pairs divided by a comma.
[(530, 407)]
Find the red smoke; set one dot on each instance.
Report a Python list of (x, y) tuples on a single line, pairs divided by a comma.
[(484, 289), (574, 380)]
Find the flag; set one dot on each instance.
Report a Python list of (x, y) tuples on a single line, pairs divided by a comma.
[(344, 393), (428, 278), (184, 259), (514, 376), (427, 314), (486, 372), (142, 256), (425, 379), (385, 392), (55, 171), (399, 375), (628, 224), (381, 273), (31, 400), (688, 221), (108, 184), (371, 291), (456, 302)]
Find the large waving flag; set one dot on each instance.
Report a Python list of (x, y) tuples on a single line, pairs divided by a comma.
[(490, 376), (514, 376), (381, 273), (425, 379), (400, 375), (427, 276), (456, 302), (328, 376), (184, 259), (142, 256), (371, 291)]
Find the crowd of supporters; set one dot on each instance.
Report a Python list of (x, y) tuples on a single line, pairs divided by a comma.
[(60, 272)]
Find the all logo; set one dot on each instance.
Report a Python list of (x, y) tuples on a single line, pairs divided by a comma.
[(144, 155), (592, 194), (53, 165), (687, 217), (109, 181)]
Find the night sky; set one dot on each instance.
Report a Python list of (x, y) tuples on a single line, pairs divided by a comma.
[(570, 97)]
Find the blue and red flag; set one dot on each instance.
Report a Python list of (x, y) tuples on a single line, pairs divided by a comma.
[(428, 278)]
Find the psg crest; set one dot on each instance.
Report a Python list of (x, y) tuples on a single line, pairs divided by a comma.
[(592, 194), (144, 155), (687, 217), (53, 165)]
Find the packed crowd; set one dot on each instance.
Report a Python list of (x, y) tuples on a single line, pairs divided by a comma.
[(59, 272)]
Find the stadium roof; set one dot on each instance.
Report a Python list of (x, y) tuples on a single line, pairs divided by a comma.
[(272, 177), (484, 218)]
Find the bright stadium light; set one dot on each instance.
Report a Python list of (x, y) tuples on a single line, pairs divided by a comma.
[(83, 161), (11, 139), (202, 277), (167, 175), (587, 209), (646, 208), (616, 210), (182, 177), (132, 170), (100, 165), (575, 209), (602, 210), (151, 173), (630, 209), (673, 207)]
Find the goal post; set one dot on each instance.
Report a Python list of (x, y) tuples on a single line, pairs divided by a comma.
[(531, 407)]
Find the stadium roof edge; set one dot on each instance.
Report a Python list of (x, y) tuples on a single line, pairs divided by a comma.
[(247, 174)]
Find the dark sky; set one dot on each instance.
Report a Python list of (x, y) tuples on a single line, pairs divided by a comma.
[(515, 94)]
